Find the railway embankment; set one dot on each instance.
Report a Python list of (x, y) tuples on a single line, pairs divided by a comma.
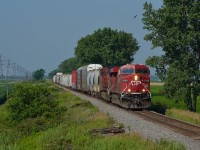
[(133, 123)]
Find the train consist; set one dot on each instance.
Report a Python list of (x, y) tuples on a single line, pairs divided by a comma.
[(127, 86)]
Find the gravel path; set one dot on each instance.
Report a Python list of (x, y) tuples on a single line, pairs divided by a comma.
[(135, 124)]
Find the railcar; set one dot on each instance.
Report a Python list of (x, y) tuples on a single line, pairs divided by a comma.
[(68, 80), (127, 86), (84, 75), (74, 79), (58, 77)]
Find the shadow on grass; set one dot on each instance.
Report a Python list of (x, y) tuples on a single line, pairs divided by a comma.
[(3, 99), (159, 108)]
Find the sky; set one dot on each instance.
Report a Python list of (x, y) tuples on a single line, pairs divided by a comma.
[(43, 33)]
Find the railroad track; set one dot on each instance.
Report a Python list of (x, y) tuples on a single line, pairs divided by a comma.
[(187, 129), (184, 128)]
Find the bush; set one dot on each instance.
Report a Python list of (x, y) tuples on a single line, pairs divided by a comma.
[(3, 98), (30, 101)]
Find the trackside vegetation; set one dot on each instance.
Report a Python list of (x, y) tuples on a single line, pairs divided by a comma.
[(174, 27), (44, 117), (5, 86), (172, 107)]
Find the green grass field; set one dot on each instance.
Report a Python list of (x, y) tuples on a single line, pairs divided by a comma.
[(70, 129), (171, 108)]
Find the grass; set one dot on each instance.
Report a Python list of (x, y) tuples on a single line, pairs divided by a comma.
[(171, 108), (71, 130), (158, 97), (184, 115)]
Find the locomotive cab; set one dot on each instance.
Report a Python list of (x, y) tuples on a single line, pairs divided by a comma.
[(134, 85)]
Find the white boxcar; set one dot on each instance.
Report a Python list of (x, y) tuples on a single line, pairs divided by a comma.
[(64, 79), (54, 79), (69, 80), (58, 77)]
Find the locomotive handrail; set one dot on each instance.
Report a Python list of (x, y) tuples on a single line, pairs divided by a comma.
[(146, 89), (137, 82), (125, 88)]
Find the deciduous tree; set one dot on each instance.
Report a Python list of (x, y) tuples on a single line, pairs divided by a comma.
[(176, 28), (160, 64), (38, 74), (107, 47)]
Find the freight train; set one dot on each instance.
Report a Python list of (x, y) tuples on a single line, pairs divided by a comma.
[(127, 85)]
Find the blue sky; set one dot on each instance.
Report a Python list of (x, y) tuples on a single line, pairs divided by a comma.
[(42, 33)]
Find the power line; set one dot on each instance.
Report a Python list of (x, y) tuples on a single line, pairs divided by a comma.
[(12, 71)]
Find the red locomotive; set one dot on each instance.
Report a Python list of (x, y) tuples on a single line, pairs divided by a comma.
[(127, 86)]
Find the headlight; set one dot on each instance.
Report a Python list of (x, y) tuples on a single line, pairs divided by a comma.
[(129, 90), (135, 77), (143, 90)]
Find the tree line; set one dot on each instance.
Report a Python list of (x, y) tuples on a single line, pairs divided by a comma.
[(105, 46), (175, 27)]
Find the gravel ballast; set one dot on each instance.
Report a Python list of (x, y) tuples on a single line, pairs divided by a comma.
[(134, 123)]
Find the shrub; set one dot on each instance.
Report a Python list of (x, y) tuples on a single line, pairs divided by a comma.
[(30, 101)]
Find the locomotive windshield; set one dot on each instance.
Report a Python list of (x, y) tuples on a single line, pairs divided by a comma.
[(127, 71), (142, 71)]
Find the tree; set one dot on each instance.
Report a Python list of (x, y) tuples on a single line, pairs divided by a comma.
[(38, 74), (160, 64), (52, 73), (68, 65), (176, 28), (107, 47)]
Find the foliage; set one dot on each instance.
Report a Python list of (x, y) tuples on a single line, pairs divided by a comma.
[(52, 73), (107, 47), (3, 91), (70, 130), (30, 101), (133, 141), (38, 74), (175, 28), (160, 63), (68, 65), (160, 103)]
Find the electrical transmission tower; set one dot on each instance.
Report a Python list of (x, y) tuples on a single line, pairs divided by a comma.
[(9, 69)]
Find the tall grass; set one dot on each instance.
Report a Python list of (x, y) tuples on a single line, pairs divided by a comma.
[(71, 129), (159, 98), (184, 115), (173, 108)]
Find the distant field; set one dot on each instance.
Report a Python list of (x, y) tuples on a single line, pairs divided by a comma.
[(156, 83)]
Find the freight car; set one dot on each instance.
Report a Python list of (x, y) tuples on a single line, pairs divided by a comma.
[(127, 86)]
